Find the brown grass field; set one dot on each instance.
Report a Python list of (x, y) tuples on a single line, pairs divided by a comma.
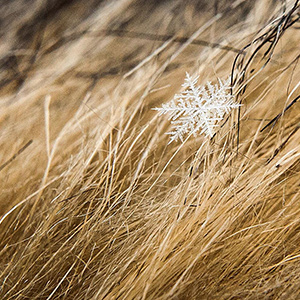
[(95, 204)]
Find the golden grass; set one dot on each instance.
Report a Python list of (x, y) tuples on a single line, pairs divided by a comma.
[(95, 204)]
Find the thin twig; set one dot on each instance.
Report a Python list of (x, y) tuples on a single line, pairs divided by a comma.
[(16, 154)]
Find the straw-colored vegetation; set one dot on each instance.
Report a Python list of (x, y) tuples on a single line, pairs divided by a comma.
[(95, 204)]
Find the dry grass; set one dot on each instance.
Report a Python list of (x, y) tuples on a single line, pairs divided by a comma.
[(95, 204)]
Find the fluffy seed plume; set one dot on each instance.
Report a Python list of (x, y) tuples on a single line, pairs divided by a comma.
[(198, 109)]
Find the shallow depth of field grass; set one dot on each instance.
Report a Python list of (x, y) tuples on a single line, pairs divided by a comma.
[(95, 204)]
